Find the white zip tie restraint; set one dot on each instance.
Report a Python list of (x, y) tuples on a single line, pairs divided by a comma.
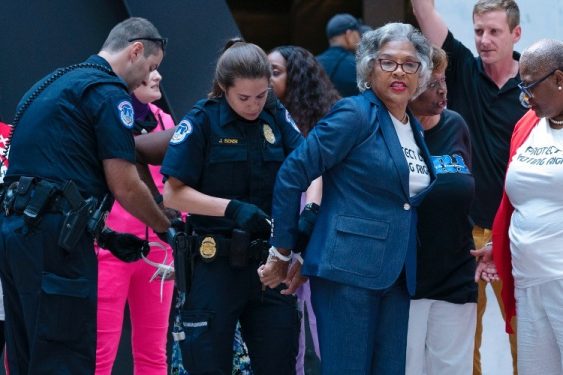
[(274, 253), (163, 271), (297, 257)]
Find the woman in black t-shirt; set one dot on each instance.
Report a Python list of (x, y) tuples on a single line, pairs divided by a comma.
[(442, 313)]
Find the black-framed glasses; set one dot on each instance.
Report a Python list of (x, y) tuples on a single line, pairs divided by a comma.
[(409, 67), (163, 41), (526, 89)]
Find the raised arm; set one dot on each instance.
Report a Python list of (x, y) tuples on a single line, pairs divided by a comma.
[(431, 23)]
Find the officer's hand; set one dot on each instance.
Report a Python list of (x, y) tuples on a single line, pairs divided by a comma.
[(306, 225), (171, 213), (124, 246), (176, 225), (248, 217)]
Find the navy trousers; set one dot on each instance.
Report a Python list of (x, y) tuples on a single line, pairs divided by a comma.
[(361, 331), (220, 296), (49, 297)]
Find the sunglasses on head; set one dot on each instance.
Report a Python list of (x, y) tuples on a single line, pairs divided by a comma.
[(163, 41)]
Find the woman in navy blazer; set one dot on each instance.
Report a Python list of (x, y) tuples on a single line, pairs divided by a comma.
[(361, 258)]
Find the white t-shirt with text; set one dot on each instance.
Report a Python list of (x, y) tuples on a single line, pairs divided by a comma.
[(534, 185)]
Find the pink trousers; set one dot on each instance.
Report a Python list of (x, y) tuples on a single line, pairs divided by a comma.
[(149, 306)]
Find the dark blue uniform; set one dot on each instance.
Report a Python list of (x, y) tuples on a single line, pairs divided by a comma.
[(220, 154), (340, 66), (50, 294)]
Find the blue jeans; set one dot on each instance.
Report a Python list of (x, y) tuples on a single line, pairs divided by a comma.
[(361, 331)]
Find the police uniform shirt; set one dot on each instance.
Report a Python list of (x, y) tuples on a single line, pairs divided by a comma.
[(82, 118), (340, 66), (220, 154)]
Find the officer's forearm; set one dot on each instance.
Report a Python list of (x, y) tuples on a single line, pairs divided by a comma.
[(146, 177), (141, 204), (186, 199), (128, 189)]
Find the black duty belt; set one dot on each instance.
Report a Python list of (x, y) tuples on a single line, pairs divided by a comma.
[(32, 197), (209, 247)]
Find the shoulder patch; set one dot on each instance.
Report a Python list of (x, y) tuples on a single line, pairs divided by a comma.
[(126, 113), (289, 119), (183, 130)]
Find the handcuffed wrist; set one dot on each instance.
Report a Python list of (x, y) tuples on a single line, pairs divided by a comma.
[(274, 253), (298, 257)]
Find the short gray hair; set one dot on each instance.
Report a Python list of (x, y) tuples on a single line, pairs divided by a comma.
[(372, 41), (543, 55)]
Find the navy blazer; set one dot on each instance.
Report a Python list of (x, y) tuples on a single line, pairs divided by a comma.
[(365, 233)]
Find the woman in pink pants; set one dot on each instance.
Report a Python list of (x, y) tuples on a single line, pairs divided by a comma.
[(119, 282)]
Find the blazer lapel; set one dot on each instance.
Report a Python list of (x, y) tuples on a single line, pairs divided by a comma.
[(394, 147)]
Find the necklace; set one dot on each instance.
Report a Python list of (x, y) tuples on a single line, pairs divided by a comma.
[(405, 118), (556, 122)]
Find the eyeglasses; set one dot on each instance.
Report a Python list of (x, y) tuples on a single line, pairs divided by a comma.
[(437, 84), (526, 89), (163, 41), (409, 67)]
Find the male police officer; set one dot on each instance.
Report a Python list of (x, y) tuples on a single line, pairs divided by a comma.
[(72, 145)]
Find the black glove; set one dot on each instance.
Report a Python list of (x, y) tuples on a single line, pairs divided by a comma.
[(248, 217), (305, 227), (127, 247)]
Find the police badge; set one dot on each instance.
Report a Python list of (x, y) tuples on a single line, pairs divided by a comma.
[(208, 249), (268, 134)]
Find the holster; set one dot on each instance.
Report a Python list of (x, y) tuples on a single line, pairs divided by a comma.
[(182, 247), (75, 223), (82, 215)]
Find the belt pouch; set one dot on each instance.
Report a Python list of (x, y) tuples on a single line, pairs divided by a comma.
[(22, 193), (43, 193), (238, 255)]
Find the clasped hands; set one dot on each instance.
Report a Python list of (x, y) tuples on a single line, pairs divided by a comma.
[(276, 271), (486, 269)]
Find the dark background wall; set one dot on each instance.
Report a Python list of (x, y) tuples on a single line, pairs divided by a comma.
[(38, 36)]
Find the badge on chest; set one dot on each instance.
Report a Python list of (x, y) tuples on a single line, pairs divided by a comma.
[(268, 134)]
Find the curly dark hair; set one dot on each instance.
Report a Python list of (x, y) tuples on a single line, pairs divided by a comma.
[(309, 92)]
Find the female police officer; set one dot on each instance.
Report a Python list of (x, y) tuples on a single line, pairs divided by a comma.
[(221, 165)]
